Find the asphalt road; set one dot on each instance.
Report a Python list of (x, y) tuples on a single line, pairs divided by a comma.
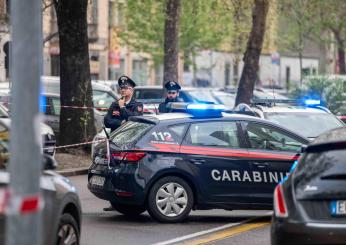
[(211, 226)]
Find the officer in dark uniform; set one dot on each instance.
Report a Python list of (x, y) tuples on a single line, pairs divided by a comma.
[(172, 95), (125, 107)]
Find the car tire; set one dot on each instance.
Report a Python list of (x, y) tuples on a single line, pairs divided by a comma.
[(128, 210), (170, 200), (68, 232)]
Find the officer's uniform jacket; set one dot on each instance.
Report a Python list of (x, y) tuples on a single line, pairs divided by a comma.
[(116, 116)]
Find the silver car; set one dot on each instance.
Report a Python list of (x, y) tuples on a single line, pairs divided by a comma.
[(62, 209)]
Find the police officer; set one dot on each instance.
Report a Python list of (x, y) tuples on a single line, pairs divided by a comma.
[(125, 107), (172, 95)]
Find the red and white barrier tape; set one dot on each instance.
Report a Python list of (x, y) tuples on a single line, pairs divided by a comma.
[(78, 107), (69, 106), (15, 204), (73, 145)]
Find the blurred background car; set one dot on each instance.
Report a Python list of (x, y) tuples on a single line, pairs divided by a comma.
[(310, 206), (62, 209), (307, 120), (48, 136), (152, 96), (52, 113)]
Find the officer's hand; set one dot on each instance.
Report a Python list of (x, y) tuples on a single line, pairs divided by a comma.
[(121, 102)]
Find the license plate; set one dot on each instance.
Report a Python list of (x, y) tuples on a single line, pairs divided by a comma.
[(97, 180), (338, 208)]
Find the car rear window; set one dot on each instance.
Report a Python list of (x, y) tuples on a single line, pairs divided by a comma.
[(129, 133), (326, 164)]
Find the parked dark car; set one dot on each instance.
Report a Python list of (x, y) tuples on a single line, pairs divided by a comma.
[(310, 206), (62, 209)]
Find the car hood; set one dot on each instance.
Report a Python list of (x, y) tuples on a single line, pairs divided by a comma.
[(45, 129), (59, 183)]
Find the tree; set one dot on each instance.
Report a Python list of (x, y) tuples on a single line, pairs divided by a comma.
[(299, 24), (171, 41), (332, 15), (76, 125), (204, 24), (253, 52)]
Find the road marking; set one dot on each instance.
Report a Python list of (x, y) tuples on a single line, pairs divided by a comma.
[(206, 232), (227, 233)]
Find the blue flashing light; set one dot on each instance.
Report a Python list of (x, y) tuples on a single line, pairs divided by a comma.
[(214, 107), (312, 102), (294, 165)]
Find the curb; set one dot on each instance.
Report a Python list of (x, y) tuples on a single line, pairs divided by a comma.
[(73, 172)]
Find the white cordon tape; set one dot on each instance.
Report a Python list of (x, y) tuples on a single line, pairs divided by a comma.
[(78, 107), (70, 106), (73, 145), (14, 204)]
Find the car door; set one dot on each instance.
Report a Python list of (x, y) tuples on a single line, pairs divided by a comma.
[(214, 149), (272, 152)]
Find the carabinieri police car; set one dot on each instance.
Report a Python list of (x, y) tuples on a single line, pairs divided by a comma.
[(201, 158)]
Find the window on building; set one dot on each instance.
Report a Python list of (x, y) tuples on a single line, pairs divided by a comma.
[(235, 72), (8, 7), (227, 73), (140, 71), (55, 65), (116, 13), (159, 75), (116, 72)]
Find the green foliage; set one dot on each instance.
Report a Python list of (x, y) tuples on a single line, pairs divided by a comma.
[(329, 90), (204, 24)]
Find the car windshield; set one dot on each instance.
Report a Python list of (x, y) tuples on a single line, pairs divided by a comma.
[(201, 95), (257, 94), (226, 99), (309, 125), (129, 133), (102, 99)]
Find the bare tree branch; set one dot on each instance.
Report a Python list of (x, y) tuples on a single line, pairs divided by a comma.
[(47, 4), (50, 36)]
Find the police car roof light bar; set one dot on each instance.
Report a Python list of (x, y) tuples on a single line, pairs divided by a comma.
[(306, 102), (198, 109), (312, 102)]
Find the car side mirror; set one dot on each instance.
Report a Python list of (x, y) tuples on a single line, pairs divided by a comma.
[(303, 148), (49, 163)]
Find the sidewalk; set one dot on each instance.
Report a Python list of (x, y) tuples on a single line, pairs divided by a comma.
[(73, 164)]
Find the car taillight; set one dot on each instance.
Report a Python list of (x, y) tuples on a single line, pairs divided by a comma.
[(128, 156), (280, 207)]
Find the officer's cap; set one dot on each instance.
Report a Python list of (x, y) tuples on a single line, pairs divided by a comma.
[(171, 85), (125, 81)]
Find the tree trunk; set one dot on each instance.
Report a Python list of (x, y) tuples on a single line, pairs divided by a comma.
[(171, 42), (341, 50), (253, 52), (76, 125), (341, 58)]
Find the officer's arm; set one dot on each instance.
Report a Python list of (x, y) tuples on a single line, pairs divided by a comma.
[(110, 120), (137, 110)]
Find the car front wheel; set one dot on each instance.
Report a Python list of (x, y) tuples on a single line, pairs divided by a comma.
[(170, 200), (68, 232)]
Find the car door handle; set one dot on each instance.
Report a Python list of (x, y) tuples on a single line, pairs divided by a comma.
[(197, 161), (261, 164)]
